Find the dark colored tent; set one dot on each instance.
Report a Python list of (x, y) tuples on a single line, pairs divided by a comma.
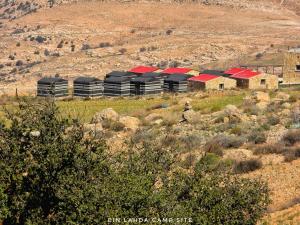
[(117, 86), (88, 87), (159, 76), (120, 74), (144, 85), (52, 86), (176, 83), (215, 72)]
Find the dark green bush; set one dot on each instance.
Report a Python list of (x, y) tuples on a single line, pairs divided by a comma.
[(292, 137), (269, 149), (257, 137), (52, 173), (113, 125), (247, 166)]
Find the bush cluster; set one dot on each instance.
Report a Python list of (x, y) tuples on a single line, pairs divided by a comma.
[(52, 173)]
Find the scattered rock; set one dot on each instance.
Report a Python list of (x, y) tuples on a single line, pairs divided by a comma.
[(262, 105), (105, 114), (94, 127), (276, 133), (35, 133), (131, 123), (158, 122), (152, 116), (286, 112), (189, 116), (234, 114), (282, 96), (238, 154), (286, 105), (260, 96)]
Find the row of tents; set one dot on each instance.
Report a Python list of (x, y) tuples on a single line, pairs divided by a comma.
[(144, 80)]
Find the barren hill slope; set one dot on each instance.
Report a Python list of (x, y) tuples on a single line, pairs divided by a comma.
[(96, 37)]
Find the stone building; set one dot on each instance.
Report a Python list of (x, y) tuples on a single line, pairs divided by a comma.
[(210, 82), (291, 67), (255, 80)]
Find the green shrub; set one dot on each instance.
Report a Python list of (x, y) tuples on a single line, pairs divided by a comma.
[(292, 137), (51, 173), (113, 125), (273, 120), (247, 166), (257, 137), (291, 155), (293, 98), (276, 148)]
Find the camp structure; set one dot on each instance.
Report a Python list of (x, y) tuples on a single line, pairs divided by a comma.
[(210, 82), (159, 76), (139, 70), (146, 85), (291, 67), (52, 87), (177, 82), (88, 87), (120, 74), (179, 70), (255, 80), (117, 86)]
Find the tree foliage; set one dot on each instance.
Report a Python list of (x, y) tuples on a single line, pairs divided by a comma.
[(51, 172)]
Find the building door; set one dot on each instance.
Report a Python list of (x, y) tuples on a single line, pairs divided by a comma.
[(221, 86), (137, 88), (171, 86)]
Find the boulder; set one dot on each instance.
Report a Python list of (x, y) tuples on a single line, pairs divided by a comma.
[(105, 114), (131, 123), (152, 117), (189, 116), (238, 154), (286, 112), (276, 133), (282, 96), (95, 127), (234, 114), (260, 96), (262, 105), (231, 110), (286, 105), (158, 122)]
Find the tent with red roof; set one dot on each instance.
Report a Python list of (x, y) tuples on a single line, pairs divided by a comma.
[(176, 70), (143, 69)]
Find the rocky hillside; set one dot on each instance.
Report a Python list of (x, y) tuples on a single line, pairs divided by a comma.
[(12, 9), (37, 40)]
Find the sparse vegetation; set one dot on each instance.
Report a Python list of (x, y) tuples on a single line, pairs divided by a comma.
[(247, 166), (85, 47), (66, 160), (123, 51), (292, 137)]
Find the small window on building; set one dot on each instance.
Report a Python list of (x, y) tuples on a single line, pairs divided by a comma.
[(263, 82), (221, 86), (298, 67)]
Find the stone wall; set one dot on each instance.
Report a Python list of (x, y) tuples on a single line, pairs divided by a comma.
[(271, 82), (290, 75), (214, 84)]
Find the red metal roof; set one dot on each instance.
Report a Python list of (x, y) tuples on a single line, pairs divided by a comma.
[(176, 70), (143, 69), (234, 70), (203, 77), (246, 74)]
